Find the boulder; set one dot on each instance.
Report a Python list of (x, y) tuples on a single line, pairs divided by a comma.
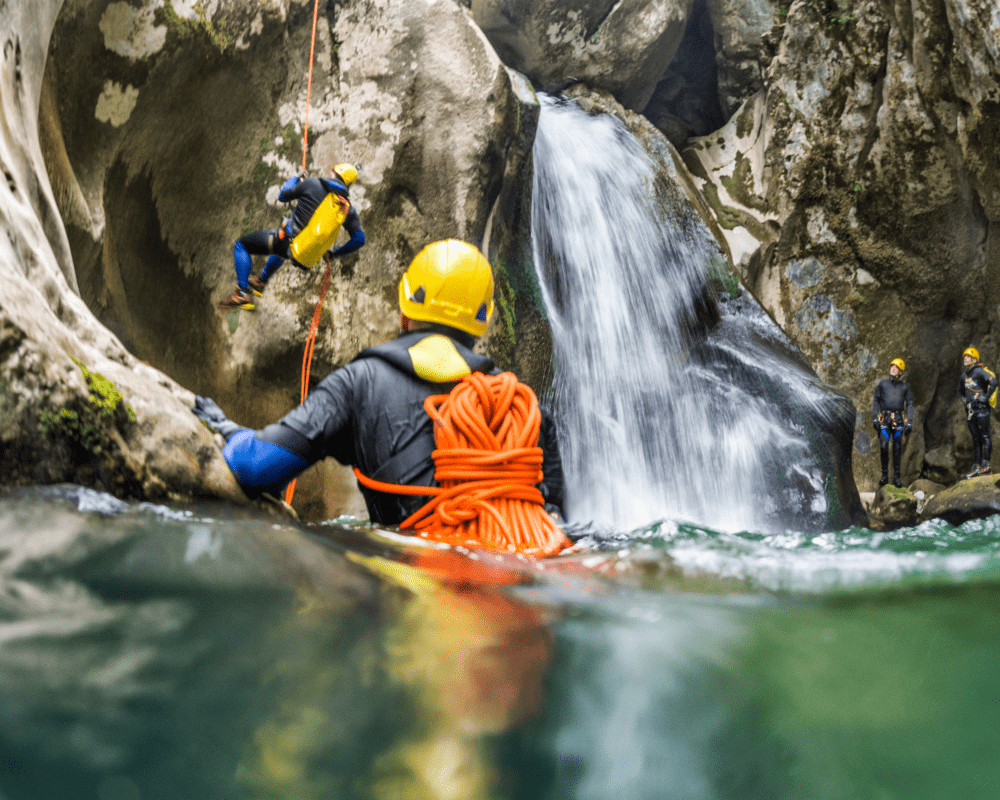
[(924, 490), (975, 498), (620, 47), (893, 508)]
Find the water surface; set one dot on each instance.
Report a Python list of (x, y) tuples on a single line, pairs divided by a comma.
[(200, 651)]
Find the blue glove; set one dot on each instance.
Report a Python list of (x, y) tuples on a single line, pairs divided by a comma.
[(208, 411)]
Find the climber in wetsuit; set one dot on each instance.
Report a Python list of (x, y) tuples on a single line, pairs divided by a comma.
[(309, 192), (892, 418), (976, 388), (370, 413)]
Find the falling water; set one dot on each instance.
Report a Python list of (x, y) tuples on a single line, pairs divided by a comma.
[(649, 432)]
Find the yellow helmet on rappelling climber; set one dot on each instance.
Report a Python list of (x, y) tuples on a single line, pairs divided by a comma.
[(898, 362), (971, 351), (449, 282), (348, 173)]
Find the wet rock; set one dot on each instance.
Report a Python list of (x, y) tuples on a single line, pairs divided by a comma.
[(866, 155), (975, 498), (939, 466), (621, 47), (893, 508), (928, 487)]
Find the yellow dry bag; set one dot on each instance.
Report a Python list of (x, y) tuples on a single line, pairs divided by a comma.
[(321, 231)]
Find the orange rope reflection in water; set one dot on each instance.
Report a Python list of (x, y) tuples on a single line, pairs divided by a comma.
[(487, 466), (475, 660)]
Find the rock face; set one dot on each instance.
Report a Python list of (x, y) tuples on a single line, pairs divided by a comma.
[(622, 47), (172, 144), (858, 193), (75, 405)]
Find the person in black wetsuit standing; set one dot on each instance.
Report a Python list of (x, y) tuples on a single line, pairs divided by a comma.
[(892, 418), (276, 242), (977, 388)]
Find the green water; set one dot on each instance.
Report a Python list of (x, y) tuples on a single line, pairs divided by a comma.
[(205, 652)]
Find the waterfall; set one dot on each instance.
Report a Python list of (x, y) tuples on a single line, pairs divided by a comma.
[(650, 428)]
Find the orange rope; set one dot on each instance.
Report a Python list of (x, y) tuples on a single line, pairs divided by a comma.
[(307, 356), (311, 339), (487, 466), (309, 83)]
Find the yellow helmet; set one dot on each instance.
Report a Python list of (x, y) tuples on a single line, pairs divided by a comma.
[(971, 351), (449, 282), (898, 362), (348, 172)]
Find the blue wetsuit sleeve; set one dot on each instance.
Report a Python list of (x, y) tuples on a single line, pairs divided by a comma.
[(356, 242), (286, 194), (261, 466), (352, 224)]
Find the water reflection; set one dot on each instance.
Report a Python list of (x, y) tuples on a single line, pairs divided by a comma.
[(203, 652)]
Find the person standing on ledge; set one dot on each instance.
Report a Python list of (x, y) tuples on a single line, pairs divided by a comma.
[(892, 418), (978, 390), (279, 243)]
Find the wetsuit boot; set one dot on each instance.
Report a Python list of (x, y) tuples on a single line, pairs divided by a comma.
[(897, 452), (884, 455)]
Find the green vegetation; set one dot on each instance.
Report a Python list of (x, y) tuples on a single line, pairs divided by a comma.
[(505, 301), (718, 271), (84, 426), (187, 27), (836, 13)]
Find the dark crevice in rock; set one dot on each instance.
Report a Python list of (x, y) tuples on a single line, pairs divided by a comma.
[(596, 27), (878, 88), (686, 101), (141, 292)]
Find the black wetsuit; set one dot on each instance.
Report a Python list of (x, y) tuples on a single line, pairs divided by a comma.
[(975, 387), (892, 416), (370, 414)]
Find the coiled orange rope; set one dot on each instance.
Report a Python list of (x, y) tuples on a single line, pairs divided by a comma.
[(487, 466)]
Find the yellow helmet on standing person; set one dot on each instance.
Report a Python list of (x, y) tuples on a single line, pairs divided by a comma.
[(347, 172), (449, 282), (971, 351), (898, 362)]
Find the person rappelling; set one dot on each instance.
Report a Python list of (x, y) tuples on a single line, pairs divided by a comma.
[(323, 207), (402, 413), (978, 390), (892, 418)]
